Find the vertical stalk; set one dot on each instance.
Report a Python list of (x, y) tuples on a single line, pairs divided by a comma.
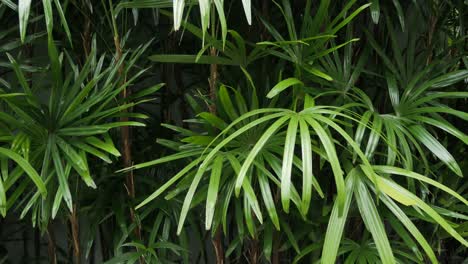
[(102, 239), (217, 240), (430, 35), (51, 248), (86, 35), (212, 81), (218, 246), (25, 244), (125, 137), (37, 245), (254, 252), (275, 259), (125, 130), (74, 226)]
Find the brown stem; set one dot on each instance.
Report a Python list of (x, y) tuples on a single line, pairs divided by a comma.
[(266, 15), (37, 245), (254, 251), (74, 226), (218, 247), (86, 36), (213, 80), (102, 239), (126, 142), (51, 248), (275, 258), (218, 239), (430, 35)]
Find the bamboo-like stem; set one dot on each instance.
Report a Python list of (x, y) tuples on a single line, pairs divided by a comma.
[(86, 35), (213, 80), (75, 229), (430, 35), (217, 240), (254, 251), (103, 246), (125, 130), (37, 245), (218, 246), (51, 248), (126, 140), (275, 259)]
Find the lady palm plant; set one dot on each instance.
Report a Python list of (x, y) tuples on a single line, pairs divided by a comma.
[(57, 129), (271, 156), (329, 131)]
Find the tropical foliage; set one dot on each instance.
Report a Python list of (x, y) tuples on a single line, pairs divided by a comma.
[(234, 131)]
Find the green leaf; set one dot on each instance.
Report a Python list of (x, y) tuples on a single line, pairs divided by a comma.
[(77, 161), (279, 87), (288, 156), (268, 241), (19, 74), (192, 59), (256, 149), (222, 19), (213, 190), (361, 130), (248, 217), (63, 20), (23, 12), (449, 79), (332, 158), (374, 136), (24, 164), (373, 222), (375, 11), (178, 8), (400, 13), (410, 227), (213, 120), (139, 4), (3, 200), (94, 151), (247, 10), (393, 90), (62, 178), (169, 183), (252, 200), (268, 199), (48, 14), (107, 145), (96, 129), (306, 251), (148, 91), (291, 236), (417, 176), (439, 82), (399, 229), (427, 209), (226, 102), (348, 18), (318, 73), (435, 147), (337, 222), (444, 125), (307, 175)]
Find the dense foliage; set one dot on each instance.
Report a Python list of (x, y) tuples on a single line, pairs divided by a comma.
[(289, 131)]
